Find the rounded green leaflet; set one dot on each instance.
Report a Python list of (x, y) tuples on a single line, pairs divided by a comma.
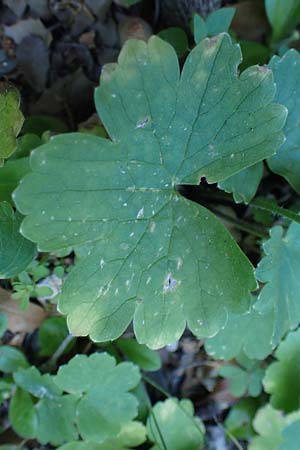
[(16, 252), (286, 162), (154, 256), (105, 405)]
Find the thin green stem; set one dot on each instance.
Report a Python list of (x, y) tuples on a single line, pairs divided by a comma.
[(155, 422), (242, 224), (168, 395), (52, 362), (268, 205), (233, 439)]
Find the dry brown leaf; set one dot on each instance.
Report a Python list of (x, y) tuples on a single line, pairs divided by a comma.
[(20, 321)]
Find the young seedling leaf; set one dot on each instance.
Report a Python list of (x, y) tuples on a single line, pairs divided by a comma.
[(237, 336), (282, 379), (11, 120), (217, 22), (157, 258), (171, 424), (105, 404), (16, 252), (286, 70), (280, 271)]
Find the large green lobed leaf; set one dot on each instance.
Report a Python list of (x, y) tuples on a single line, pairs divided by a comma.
[(156, 257)]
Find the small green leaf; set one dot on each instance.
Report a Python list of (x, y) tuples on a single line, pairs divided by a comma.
[(217, 22), (177, 38), (200, 29), (237, 336), (38, 125), (51, 334), (10, 176), (240, 417), (22, 414), (244, 184), (286, 72), (162, 260), (16, 251), (105, 405), (282, 379), (25, 144), (254, 53), (141, 355), (283, 16), (11, 359), (174, 422), (280, 271), (243, 380), (11, 120)]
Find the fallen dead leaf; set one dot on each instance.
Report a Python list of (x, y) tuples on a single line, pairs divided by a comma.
[(20, 321)]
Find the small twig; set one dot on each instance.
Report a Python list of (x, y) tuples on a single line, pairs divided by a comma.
[(52, 362), (233, 439)]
